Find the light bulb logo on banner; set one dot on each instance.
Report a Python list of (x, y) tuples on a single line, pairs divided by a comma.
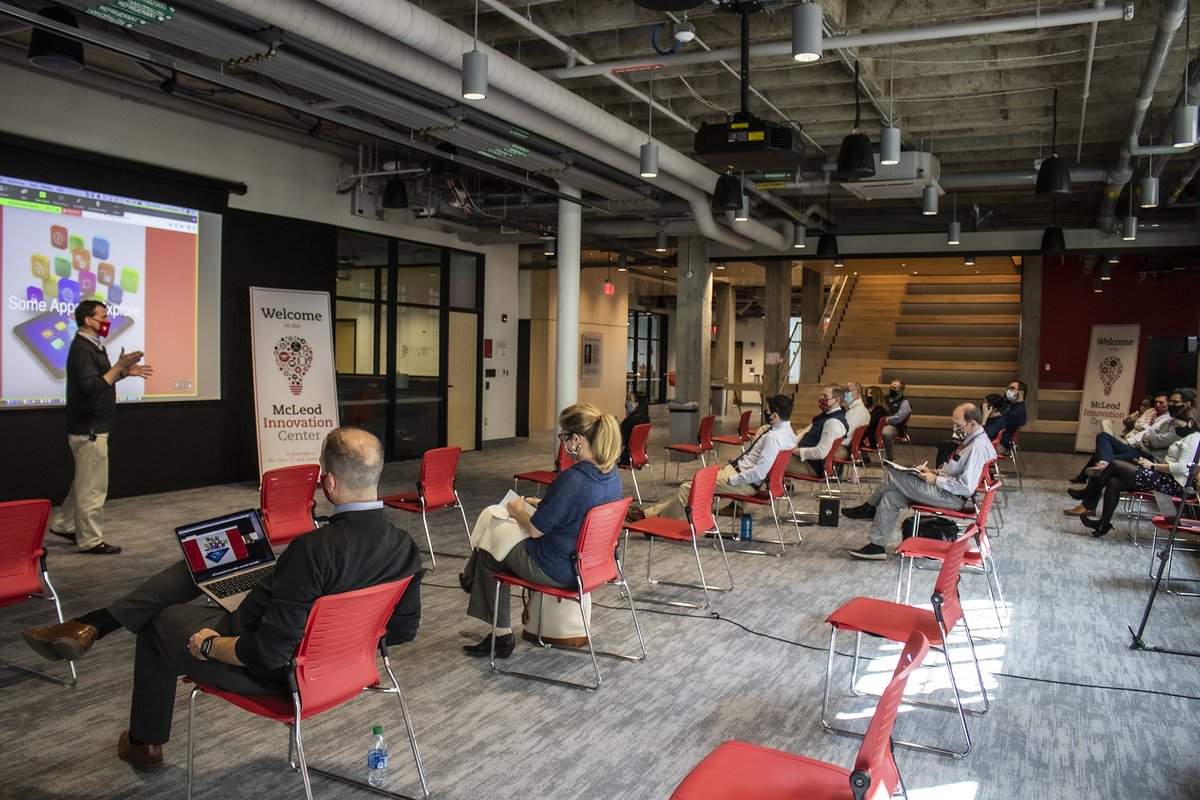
[(293, 356), (1110, 370)]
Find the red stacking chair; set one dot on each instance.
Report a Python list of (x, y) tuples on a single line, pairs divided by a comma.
[(1013, 455), (855, 460), (878, 448), (775, 492), (638, 458), (743, 433), (979, 558), (1188, 528), (896, 623), (334, 662), (741, 771), (901, 436), (286, 498), (704, 444), (435, 490), (596, 564), (23, 574), (699, 521), (829, 470), (545, 477)]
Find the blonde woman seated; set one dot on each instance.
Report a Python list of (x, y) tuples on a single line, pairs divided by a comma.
[(593, 439)]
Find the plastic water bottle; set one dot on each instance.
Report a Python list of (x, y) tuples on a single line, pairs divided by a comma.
[(747, 527), (377, 759)]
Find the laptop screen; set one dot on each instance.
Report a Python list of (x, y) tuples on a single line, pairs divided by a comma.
[(219, 546)]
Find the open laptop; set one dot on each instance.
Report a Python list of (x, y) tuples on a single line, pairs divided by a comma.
[(228, 555)]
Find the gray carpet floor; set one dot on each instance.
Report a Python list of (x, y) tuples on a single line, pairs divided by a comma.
[(1075, 712)]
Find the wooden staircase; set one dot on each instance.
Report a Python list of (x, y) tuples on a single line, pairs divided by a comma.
[(950, 338)]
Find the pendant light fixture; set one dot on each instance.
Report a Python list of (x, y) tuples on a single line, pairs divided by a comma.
[(1097, 284), (1149, 190), (742, 214), (1054, 176), (955, 232), (1129, 227), (622, 263), (727, 196), (855, 159), (1106, 271), (52, 51), (660, 238), (807, 22), (548, 246), (1053, 239), (649, 154), (889, 135), (1183, 119), (1114, 258), (475, 68), (799, 236), (969, 261), (827, 245), (929, 195)]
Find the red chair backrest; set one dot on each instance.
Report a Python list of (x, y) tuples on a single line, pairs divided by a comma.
[(286, 499), (827, 466), (879, 433), (637, 445), (704, 434), (595, 550), (700, 500), (946, 584), (996, 438), (856, 440), (985, 509), (336, 658), (775, 474), (437, 476), (744, 427), (875, 753), (22, 529), (564, 460)]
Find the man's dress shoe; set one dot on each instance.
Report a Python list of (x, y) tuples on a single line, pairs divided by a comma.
[(69, 640)]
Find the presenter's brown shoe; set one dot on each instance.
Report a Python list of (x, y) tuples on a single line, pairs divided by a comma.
[(69, 640), (141, 756)]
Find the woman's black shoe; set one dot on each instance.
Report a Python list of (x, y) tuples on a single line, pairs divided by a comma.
[(464, 583), (1079, 479), (1077, 494), (1098, 528), (504, 646)]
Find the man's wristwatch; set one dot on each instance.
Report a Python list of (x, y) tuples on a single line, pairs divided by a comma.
[(206, 645)]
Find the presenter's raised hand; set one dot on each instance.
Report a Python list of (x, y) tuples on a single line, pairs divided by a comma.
[(140, 371), (127, 360)]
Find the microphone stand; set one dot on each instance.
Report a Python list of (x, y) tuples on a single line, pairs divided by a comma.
[(1138, 642)]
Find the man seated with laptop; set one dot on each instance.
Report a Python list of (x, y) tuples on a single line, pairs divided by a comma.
[(245, 645)]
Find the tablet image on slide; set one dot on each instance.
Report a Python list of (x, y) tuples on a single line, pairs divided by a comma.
[(48, 336)]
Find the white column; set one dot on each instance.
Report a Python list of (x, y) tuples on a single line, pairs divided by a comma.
[(566, 367)]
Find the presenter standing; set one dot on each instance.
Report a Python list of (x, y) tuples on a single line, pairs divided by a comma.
[(91, 407)]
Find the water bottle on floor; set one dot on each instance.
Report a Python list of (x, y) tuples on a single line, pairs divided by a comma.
[(377, 759), (747, 527)]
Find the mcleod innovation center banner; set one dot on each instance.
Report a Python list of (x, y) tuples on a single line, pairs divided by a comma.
[(295, 386), (1108, 382)]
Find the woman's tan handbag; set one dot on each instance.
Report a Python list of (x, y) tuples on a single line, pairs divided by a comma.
[(561, 623)]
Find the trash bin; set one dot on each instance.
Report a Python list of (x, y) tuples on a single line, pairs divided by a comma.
[(684, 419), (718, 399)]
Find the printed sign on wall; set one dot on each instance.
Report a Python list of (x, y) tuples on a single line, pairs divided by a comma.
[(1108, 382), (295, 386)]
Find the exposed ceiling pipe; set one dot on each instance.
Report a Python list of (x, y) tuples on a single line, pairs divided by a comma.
[(432, 58), (994, 179), (926, 34), (1170, 17), (1172, 197), (562, 46), (1087, 81)]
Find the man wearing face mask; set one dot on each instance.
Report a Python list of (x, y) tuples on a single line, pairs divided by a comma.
[(1012, 416), (91, 406), (247, 651), (826, 431), (746, 473), (951, 486), (1151, 442), (896, 411), (856, 416)]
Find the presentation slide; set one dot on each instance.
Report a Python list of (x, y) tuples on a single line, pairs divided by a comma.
[(60, 246)]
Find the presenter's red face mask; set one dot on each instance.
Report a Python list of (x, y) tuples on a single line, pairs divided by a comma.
[(102, 326)]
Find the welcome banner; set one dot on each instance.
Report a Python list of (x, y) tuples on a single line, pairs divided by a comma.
[(1108, 382), (295, 386)]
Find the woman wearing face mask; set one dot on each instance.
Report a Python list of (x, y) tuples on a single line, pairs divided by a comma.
[(594, 440), (896, 410), (637, 412), (1143, 475)]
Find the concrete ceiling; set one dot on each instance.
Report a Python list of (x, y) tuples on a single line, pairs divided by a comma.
[(981, 103)]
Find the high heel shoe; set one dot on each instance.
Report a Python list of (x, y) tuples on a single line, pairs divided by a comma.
[(1098, 528), (504, 646), (1077, 494), (1079, 479)]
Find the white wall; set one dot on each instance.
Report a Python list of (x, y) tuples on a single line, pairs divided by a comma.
[(284, 176)]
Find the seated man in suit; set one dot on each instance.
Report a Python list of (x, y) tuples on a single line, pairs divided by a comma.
[(247, 651), (856, 416), (744, 474), (826, 431), (951, 486), (1012, 416)]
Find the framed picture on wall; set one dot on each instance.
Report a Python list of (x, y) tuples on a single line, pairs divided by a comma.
[(591, 357)]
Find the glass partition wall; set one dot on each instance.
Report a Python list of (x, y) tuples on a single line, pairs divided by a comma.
[(394, 300)]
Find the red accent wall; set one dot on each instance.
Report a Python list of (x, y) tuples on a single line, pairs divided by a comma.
[(1169, 306)]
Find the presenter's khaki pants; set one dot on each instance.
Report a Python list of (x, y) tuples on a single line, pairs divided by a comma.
[(82, 512)]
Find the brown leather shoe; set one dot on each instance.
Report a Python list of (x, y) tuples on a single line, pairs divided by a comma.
[(69, 640), (142, 756), (727, 511), (1077, 511)]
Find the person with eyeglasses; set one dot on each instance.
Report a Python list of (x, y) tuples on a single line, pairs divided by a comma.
[(593, 439)]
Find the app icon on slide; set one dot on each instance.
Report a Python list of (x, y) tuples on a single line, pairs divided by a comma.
[(58, 237), (81, 259), (68, 291), (35, 294), (100, 247), (40, 266), (105, 273), (129, 280), (87, 283), (62, 267), (115, 295), (75, 243)]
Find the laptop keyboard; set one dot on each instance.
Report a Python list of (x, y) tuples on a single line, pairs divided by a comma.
[(243, 582)]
